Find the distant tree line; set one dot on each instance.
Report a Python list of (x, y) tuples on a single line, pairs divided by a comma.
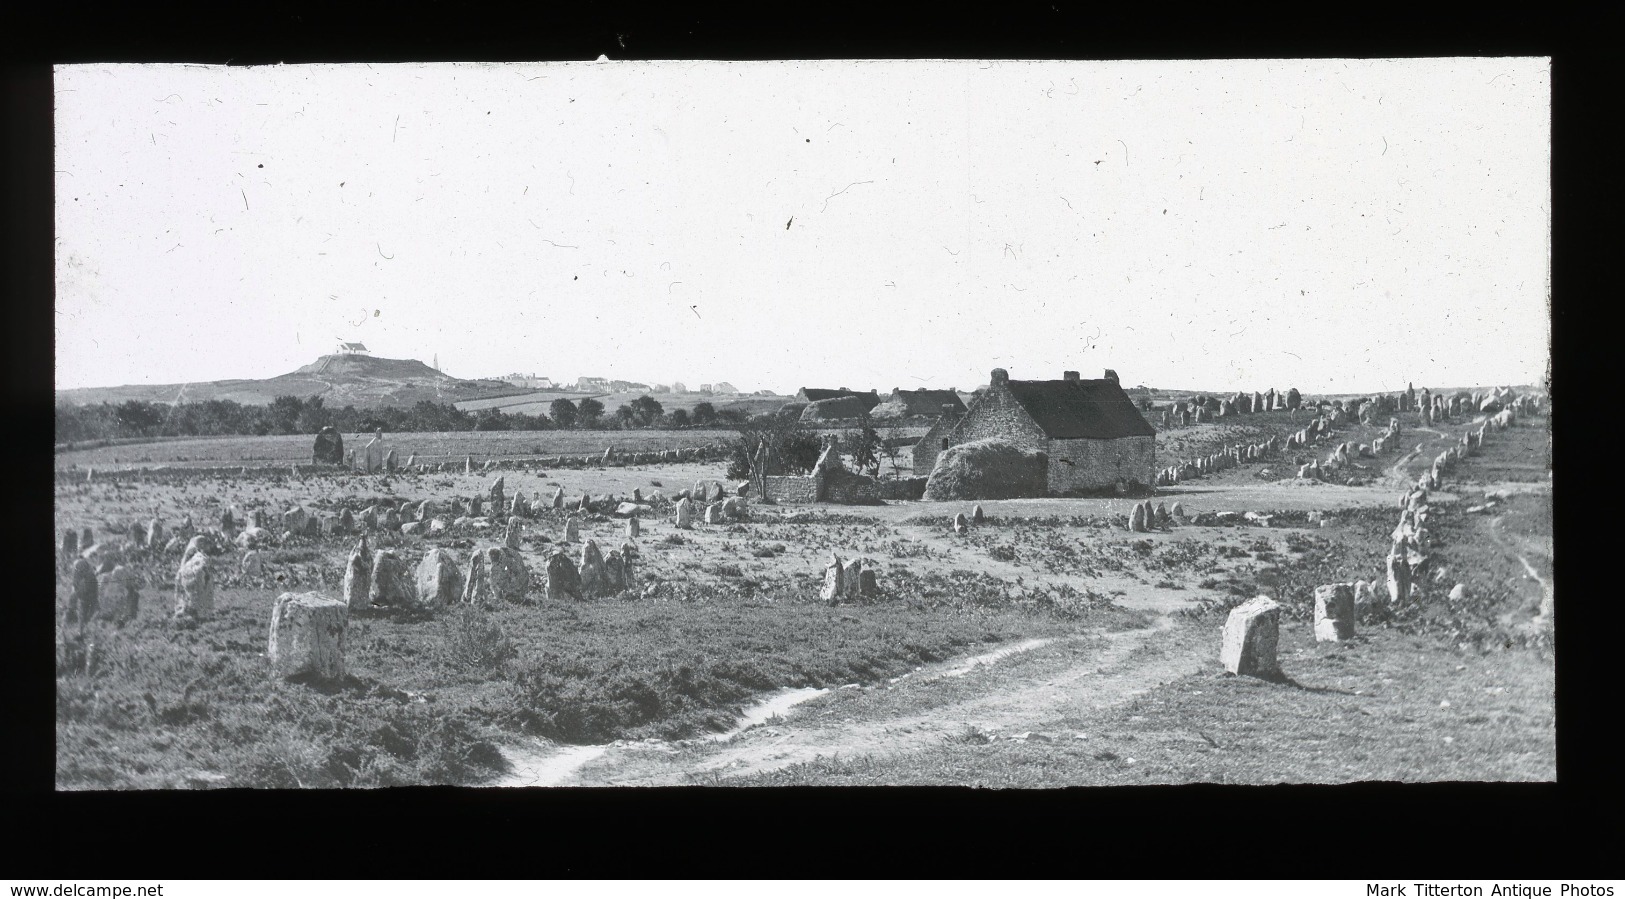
[(295, 415)]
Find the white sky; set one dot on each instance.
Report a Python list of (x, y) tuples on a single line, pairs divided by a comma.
[(1332, 225)]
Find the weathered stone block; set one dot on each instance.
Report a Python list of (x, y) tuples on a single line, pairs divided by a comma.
[(307, 636), (1334, 612), (1251, 634)]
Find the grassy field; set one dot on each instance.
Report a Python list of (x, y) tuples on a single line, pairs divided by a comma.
[(437, 447), (537, 402)]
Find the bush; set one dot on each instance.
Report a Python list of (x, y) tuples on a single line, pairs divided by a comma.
[(987, 469)]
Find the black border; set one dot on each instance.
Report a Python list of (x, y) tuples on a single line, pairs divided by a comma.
[(1448, 830)]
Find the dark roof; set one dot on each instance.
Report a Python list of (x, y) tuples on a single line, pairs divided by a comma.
[(1068, 410), (814, 394), (928, 402)]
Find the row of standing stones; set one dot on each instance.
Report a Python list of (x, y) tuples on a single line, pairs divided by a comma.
[(1251, 632)]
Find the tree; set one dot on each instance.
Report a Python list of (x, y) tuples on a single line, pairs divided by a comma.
[(312, 417), (624, 417), (863, 445), (589, 411), (564, 412), (646, 411), (704, 414), (137, 419), (677, 418), (285, 414), (490, 420)]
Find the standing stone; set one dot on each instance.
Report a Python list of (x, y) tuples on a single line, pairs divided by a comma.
[(572, 530), (976, 514), (1399, 575), (70, 546), (498, 495), (851, 579), (294, 519), (468, 465), (411, 461), (496, 573), (609, 453), (558, 499), (632, 528), (519, 508), (346, 521), (194, 589), (307, 637), (713, 513), (1161, 516), (1334, 613), (585, 505), (475, 506), (592, 569), (138, 534), (389, 462), (637, 494), (961, 525), (614, 573), (868, 587), (329, 447), (1136, 518), (563, 581), (833, 571), (253, 564), (697, 492), (513, 534), (684, 513), (392, 583), (83, 604), (373, 453), (1250, 637), (118, 593), (439, 580)]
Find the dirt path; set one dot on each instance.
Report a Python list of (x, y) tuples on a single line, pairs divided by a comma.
[(1015, 688)]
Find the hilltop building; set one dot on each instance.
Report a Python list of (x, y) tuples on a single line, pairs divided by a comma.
[(1091, 432), (346, 348)]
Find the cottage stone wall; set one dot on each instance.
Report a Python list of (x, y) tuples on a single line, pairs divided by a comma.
[(1098, 464), (792, 489)]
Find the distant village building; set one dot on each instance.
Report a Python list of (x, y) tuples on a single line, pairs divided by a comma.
[(936, 440), (918, 403), (347, 348), (531, 381), (1091, 431), (678, 387), (593, 385), (870, 398)]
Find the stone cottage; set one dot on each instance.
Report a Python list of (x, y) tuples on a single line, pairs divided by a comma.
[(1091, 431), (936, 439)]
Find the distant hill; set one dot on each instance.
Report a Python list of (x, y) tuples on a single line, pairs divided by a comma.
[(340, 380)]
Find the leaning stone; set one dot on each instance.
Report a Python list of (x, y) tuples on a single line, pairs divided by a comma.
[(961, 526), (439, 580), (1334, 612), (1250, 637), (307, 637), (558, 499)]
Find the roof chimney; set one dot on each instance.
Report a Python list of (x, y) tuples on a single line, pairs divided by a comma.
[(999, 376), (1069, 375), (1111, 375)]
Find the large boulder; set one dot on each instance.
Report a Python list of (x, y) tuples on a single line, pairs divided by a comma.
[(307, 637), (987, 469), (118, 593), (563, 580)]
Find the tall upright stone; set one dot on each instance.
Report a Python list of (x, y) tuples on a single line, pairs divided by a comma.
[(511, 538), (713, 513), (499, 499), (194, 589), (519, 507), (1250, 637), (833, 573), (83, 602), (592, 569), (497, 573), (329, 447), (307, 637), (558, 499), (118, 592), (632, 528), (392, 583), (961, 525), (572, 530), (614, 572), (684, 513), (1334, 613), (976, 514), (1399, 575)]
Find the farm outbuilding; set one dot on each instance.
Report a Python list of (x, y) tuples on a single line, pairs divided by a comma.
[(917, 403), (870, 398), (1090, 430)]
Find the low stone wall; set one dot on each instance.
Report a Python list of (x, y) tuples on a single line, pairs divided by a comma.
[(903, 488), (837, 487), (792, 489)]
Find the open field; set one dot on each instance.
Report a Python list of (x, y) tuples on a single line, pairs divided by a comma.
[(537, 402), (1048, 646), (451, 446)]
